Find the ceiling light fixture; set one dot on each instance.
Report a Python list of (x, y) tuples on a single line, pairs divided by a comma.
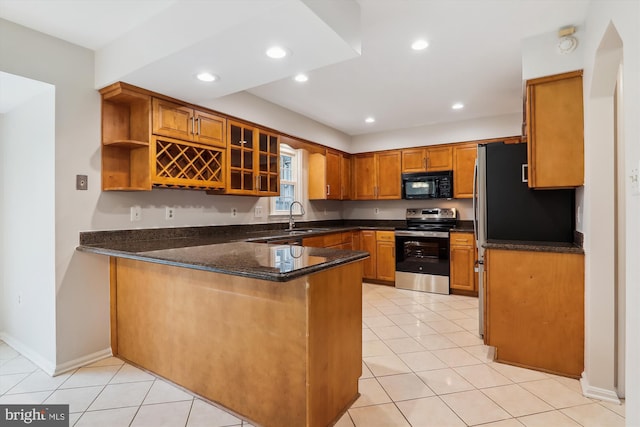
[(276, 52), (369, 120), (207, 77), (458, 106), (301, 78), (419, 44)]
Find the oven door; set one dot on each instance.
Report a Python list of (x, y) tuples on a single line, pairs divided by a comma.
[(422, 263)]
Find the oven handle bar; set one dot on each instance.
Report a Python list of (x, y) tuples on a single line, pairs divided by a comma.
[(407, 233)]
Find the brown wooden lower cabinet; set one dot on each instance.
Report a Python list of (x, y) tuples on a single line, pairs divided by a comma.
[(277, 353), (462, 276), (381, 265), (342, 240), (535, 309)]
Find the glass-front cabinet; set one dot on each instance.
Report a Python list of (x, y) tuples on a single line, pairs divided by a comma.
[(253, 160), (268, 159)]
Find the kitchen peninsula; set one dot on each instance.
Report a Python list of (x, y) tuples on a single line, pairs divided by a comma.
[(272, 332)]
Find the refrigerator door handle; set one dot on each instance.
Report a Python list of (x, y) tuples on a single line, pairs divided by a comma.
[(525, 172), (475, 201)]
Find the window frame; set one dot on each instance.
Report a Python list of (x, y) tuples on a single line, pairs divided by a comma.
[(296, 155)]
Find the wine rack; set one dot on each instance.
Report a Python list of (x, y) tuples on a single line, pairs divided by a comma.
[(182, 165)]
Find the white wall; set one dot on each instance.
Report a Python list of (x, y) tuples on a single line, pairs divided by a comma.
[(468, 130), (540, 55), (28, 228), (81, 280), (396, 209), (2, 234), (624, 15)]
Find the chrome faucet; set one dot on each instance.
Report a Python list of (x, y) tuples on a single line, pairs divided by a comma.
[(292, 223)]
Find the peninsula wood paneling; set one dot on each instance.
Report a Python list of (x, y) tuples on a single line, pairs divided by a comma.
[(281, 354)]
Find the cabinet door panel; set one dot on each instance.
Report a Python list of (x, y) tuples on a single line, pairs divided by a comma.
[(172, 120), (210, 129), (386, 260), (368, 244), (555, 131), (464, 159), (345, 172), (439, 158), (364, 175), (462, 274), (334, 187), (388, 175), (414, 160)]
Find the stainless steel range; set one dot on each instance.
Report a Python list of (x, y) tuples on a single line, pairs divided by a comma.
[(422, 250)]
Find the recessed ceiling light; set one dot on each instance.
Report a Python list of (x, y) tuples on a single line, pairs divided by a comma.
[(457, 106), (419, 44), (369, 120), (301, 78), (276, 52), (207, 77)]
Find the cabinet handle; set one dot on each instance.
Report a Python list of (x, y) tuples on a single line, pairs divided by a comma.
[(328, 189), (198, 120), (193, 127)]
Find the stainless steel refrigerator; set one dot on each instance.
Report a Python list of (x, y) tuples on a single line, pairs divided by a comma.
[(506, 209)]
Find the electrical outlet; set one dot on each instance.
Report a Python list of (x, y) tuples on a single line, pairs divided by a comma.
[(257, 211), (136, 213), (169, 213), (376, 210), (234, 212)]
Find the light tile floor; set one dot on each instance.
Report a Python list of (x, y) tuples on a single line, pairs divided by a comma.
[(423, 365)]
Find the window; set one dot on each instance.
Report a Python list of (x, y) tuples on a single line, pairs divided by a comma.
[(290, 182)]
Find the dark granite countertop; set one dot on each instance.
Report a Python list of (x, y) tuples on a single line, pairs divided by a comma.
[(279, 263), (235, 250), (558, 247)]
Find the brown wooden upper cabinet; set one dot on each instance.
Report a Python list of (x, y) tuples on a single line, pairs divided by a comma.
[(464, 159), (329, 176), (254, 156), (182, 122), (427, 159), (555, 131), (377, 176)]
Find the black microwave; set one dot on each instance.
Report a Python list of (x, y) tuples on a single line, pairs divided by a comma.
[(427, 185)]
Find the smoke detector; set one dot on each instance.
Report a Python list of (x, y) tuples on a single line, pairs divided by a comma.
[(567, 43)]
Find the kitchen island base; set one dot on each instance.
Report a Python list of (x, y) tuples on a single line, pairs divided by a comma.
[(278, 353)]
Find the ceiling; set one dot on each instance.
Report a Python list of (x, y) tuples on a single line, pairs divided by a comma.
[(356, 52)]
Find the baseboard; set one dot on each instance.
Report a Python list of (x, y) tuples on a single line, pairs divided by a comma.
[(82, 361), (597, 392), (46, 365)]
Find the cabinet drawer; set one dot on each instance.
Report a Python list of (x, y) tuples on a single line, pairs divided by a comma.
[(388, 236), (461, 239), (314, 242), (334, 239)]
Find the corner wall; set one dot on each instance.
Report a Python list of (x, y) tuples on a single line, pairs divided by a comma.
[(27, 228), (624, 16)]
